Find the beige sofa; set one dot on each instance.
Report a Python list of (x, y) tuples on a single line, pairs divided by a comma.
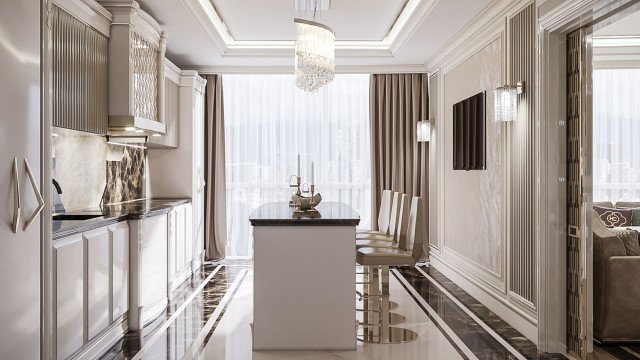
[(616, 286)]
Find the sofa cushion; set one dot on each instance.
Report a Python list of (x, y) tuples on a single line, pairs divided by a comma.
[(635, 217), (607, 204), (627, 204), (614, 217), (629, 238)]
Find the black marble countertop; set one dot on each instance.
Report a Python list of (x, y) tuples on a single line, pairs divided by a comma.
[(112, 214), (329, 214)]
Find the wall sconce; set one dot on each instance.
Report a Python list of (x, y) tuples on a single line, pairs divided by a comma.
[(505, 101), (423, 130)]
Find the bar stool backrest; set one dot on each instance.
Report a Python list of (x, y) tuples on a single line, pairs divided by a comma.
[(395, 212), (403, 221), (384, 215), (416, 230)]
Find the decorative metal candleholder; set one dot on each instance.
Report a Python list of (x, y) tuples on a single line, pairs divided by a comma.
[(296, 185), (312, 201)]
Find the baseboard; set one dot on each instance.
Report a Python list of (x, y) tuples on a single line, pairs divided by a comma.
[(104, 341), (497, 303), (179, 278), (197, 262)]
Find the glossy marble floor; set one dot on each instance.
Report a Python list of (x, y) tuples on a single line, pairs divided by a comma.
[(210, 316)]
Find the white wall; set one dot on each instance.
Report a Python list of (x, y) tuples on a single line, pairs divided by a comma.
[(472, 238), (474, 198)]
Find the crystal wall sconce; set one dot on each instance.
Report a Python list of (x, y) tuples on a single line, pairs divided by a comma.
[(505, 99), (423, 130)]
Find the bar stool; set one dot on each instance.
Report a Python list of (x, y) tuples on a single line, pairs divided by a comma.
[(395, 239), (394, 219), (397, 234), (379, 259), (383, 215)]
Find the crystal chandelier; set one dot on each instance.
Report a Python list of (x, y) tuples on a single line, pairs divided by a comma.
[(314, 55)]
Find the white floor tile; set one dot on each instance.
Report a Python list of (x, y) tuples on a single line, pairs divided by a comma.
[(232, 337)]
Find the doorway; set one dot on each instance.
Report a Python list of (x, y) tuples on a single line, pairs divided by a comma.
[(565, 318), (602, 187)]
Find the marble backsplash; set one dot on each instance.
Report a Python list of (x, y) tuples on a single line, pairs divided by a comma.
[(88, 168), (126, 177)]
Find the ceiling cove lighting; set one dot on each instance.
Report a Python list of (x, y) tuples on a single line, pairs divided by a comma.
[(505, 101), (423, 130), (314, 54)]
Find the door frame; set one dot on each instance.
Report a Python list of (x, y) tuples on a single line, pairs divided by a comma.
[(46, 247), (550, 216)]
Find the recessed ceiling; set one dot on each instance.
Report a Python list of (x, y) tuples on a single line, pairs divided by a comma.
[(261, 33), (352, 20)]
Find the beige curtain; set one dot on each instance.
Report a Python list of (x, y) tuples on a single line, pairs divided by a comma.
[(215, 224), (398, 161)]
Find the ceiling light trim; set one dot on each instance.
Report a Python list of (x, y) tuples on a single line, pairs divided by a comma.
[(402, 30), (288, 69), (408, 23)]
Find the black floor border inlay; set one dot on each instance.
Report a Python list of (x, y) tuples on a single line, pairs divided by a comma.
[(483, 345), (176, 339), (513, 337), (446, 335), (224, 309)]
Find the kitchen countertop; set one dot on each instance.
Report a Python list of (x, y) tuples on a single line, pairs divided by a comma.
[(329, 214), (112, 214)]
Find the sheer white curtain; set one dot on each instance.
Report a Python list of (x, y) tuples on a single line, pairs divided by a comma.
[(268, 122), (616, 135)]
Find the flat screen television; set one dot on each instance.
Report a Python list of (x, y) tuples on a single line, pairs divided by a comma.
[(469, 134)]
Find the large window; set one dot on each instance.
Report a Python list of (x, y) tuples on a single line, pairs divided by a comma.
[(268, 122), (616, 135)]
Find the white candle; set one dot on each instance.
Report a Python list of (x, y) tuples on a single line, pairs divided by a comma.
[(312, 177), (298, 164)]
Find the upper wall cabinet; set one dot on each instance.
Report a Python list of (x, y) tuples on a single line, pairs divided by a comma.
[(137, 47), (80, 33), (171, 109)]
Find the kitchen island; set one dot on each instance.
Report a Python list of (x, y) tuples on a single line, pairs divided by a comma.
[(304, 278)]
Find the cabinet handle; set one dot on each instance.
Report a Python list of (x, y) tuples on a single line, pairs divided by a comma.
[(16, 196), (36, 191)]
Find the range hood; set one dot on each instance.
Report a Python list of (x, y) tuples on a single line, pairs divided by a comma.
[(137, 47)]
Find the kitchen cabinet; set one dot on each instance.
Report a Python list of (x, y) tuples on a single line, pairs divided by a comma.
[(148, 269), (180, 246), (137, 47), (119, 237), (80, 78), (91, 280), (69, 295), (97, 245), (23, 250), (179, 173), (171, 109)]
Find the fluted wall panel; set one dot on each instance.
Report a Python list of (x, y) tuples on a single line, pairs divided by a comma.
[(523, 259)]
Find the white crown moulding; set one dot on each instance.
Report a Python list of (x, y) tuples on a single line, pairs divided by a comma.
[(407, 23)]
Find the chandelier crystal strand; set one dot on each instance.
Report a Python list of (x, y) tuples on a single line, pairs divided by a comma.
[(314, 55)]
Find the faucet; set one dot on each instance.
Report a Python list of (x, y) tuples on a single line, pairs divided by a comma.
[(57, 186), (58, 207)]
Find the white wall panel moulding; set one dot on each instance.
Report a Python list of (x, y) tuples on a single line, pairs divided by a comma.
[(492, 16), (499, 303)]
